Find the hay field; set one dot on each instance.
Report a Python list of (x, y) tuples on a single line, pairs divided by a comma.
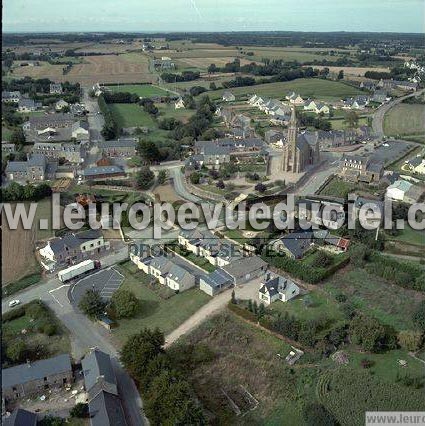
[(353, 71), (204, 63), (405, 119), (18, 259), (44, 70), (127, 68)]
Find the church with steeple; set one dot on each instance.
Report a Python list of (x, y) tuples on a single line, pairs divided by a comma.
[(300, 150)]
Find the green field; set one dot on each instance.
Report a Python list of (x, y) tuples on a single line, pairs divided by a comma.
[(337, 187), (339, 124), (307, 87), (142, 90), (405, 119), (389, 303), (167, 314), (409, 235), (131, 115), (168, 110)]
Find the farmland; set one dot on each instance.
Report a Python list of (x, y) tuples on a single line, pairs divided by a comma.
[(405, 119), (167, 314), (142, 90), (314, 88), (131, 115), (19, 259)]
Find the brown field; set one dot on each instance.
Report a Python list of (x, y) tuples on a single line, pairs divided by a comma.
[(166, 193), (110, 47), (18, 257), (354, 71), (206, 62), (204, 53), (128, 68), (44, 70)]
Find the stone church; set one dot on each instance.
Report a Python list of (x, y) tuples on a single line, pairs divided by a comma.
[(300, 150)]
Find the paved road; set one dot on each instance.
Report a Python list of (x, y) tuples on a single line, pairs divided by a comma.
[(180, 187), (85, 335), (378, 117)]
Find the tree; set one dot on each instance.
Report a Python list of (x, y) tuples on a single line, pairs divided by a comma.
[(255, 307), (189, 102), (341, 75), (418, 316), (358, 255), (351, 119), (145, 178), (260, 187), (213, 86), (410, 340), (195, 177), (250, 307), (125, 303), (317, 415), (261, 311), (162, 177), (16, 350), (51, 421), (322, 260), (18, 137), (92, 304), (80, 410), (149, 151), (140, 349), (220, 184), (233, 298)]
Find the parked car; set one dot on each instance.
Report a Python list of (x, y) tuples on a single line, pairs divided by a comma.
[(14, 302)]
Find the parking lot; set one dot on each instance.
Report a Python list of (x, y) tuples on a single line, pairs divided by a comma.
[(106, 282), (391, 151)]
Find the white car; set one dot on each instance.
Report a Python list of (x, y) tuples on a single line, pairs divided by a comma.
[(13, 303)]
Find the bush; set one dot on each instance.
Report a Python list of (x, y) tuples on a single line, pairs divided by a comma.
[(125, 304), (418, 316), (410, 340), (80, 410), (16, 350), (322, 260)]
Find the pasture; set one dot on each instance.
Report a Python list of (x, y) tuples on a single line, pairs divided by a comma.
[(142, 90), (405, 119), (308, 88), (131, 115)]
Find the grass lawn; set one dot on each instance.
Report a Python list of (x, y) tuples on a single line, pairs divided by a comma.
[(307, 87), (155, 312), (409, 235), (131, 115), (315, 304), (6, 133), (142, 90), (391, 304), (405, 119), (337, 187), (339, 124), (197, 260), (168, 111)]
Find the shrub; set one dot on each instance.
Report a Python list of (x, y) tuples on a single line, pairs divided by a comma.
[(125, 303), (80, 410), (410, 340)]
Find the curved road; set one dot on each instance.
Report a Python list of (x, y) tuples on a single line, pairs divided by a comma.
[(378, 117)]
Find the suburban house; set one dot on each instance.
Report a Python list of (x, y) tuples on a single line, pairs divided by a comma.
[(73, 248), (11, 97), (402, 190), (295, 244), (105, 406), (28, 105), (31, 378), (368, 85), (159, 268), (355, 168), (179, 278), (277, 288), (61, 104), (295, 99), (78, 110), (103, 172), (215, 282), (380, 96), (246, 269), (55, 88), (416, 165), (179, 104), (20, 417), (359, 102), (228, 96), (36, 168), (403, 85), (119, 148), (316, 107)]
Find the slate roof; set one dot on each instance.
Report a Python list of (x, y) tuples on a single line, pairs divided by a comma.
[(73, 240), (103, 170), (37, 370), (20, 417), (161, 263), (278, 285), (97, 364), (218, 278), (244, 265), (402, 185), (297, 242), (119, 143), (178, 274), (106, 410)]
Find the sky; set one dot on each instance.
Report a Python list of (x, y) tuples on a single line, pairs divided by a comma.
[(213, 15)]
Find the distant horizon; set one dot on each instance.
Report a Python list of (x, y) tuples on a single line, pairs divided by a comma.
[(379, 16)]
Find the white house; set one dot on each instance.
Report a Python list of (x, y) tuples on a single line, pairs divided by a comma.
[(60, 104), (277, 288), (316, 107), (159, 268), (179, 278), (228, 96), (295, 99), (179, 104), (398, 190)]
